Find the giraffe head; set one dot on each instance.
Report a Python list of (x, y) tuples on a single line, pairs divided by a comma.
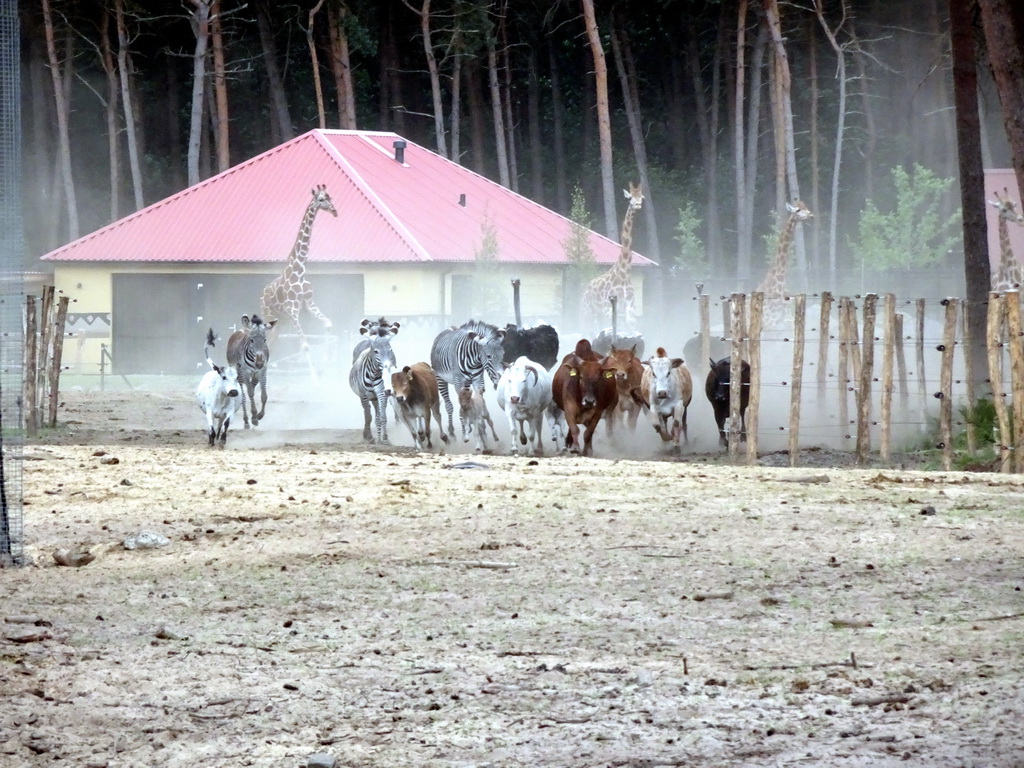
[(799, 211), (322, 200), (635, 196), (1006, 207)]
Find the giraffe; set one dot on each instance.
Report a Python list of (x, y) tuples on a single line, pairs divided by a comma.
[(287, 293), (774, 283), (1010, 275), (595, 301)]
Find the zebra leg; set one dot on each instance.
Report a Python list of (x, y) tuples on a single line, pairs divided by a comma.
[(251, 385), (263, 393), (241, 395), (367, 435), (442, 388), (382, 418)]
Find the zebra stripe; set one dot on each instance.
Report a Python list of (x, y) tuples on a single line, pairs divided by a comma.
[(459, 356), (370, 379), (248, 352)]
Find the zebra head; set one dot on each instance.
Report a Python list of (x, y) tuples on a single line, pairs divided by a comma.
[(384, 357), (492, 353)]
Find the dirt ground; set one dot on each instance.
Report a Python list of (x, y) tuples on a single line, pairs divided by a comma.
[(392, 608)]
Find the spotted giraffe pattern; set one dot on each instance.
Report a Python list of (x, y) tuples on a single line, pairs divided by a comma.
[(596, 300), (774, 283), (1010, 275), (291, 291)]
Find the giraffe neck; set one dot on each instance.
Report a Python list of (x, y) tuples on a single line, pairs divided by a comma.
[(626, 253), (775, 280), (1005, 251), (297, 258)]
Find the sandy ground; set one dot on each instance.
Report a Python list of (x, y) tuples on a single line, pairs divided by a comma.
[(391, 608)]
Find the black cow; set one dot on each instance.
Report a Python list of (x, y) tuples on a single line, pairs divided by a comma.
[(717, 388)]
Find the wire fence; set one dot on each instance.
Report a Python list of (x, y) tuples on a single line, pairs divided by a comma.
[(12, 269)]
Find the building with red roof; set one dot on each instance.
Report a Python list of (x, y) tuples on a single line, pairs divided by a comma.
[(404, 244)]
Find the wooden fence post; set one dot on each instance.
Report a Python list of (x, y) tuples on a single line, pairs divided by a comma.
[(796, 389), (993, 341), (705, 333), (885, 417), (968, 357), (754, 353), (29, 377), (945, 393), (1013, 332), (738, 306), (864, 383), (901, 363), (58, 352), (823, 344), (922, 386), (844, 367)]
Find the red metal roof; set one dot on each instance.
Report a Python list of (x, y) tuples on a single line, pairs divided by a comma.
[(387, 212)]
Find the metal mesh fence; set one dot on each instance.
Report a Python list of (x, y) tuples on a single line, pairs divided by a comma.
[(12, 268)]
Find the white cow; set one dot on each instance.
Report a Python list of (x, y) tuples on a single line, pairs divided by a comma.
[(218, 395), (668, 389), (524, 394), (474, 415)]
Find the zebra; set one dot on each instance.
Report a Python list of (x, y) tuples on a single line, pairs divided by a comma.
[(459, 356), (249, 354), (370, 328), (370, 379)]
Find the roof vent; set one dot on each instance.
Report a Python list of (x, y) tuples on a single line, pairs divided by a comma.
[(399, 146), (462, 199)]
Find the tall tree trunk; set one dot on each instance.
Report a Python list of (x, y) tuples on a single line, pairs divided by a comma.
[(707, 112), (315, 65), (739, 166), (558, 131), (604, 121), (435, 76), (506, 89), (477, 120), (871, 131), (113, 132), (131, 126), (815, 88), (1003, 22), (63, 129), (771, 8), (977, 269), (497, 111), (221, 123), (201, 28), (753, 132), (341, 66), (456, 120), (172, 111), (536, 144), (833, 214), (631, 99), (281, 121)]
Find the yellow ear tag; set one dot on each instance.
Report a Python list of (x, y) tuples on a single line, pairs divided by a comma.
[(609, 374), (572, 371)]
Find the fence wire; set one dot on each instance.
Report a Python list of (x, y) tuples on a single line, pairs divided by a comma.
[(12, 275)]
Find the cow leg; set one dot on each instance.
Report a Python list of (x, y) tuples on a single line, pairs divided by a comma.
[(442, 389), (588, 436), (436, 408), (536, 426)]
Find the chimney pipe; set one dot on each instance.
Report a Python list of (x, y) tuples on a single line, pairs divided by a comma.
[(462, 199), (399, 146)]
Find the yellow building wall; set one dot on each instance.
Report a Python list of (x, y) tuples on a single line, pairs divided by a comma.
[(89, 291)]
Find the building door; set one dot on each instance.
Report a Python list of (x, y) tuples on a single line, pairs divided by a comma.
[(153, 324)]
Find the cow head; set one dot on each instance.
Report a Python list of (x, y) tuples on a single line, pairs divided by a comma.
[(589, 377), (661, 367), (520, 377), (401, 384), (228, 379)]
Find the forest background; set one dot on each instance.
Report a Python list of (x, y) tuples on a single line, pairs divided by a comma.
[(722, 110)]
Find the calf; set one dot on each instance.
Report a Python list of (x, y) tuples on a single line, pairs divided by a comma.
[(629, 373), (474, 415), (415, 391), (584, 390), (524, 394), (218, 396), (717, 388), (668, 388)]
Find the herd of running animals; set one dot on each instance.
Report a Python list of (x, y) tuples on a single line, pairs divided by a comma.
[(569, 396), (606, 378)]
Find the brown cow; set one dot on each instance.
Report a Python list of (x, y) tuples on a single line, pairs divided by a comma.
[(415, 393), (584, 390), (473, 414), (629, 373)]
